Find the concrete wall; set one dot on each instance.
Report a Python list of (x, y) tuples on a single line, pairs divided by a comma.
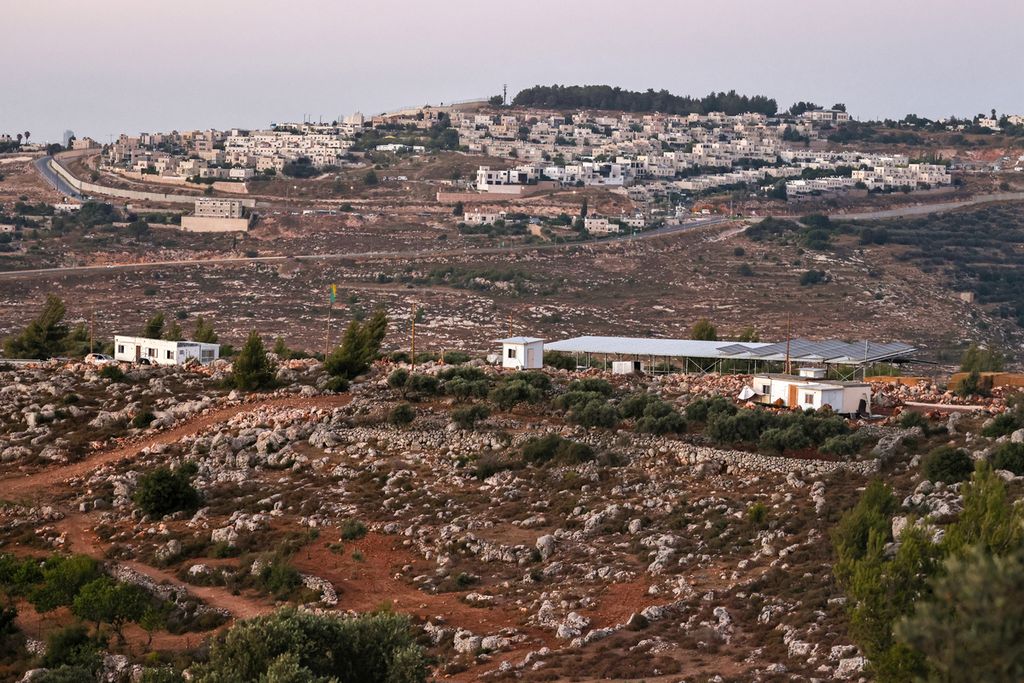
[(93, 188), (220, 186), (210, 224)]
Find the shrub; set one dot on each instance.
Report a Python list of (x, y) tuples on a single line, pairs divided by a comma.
[(490, 464), (659, 417), (842, 445), (515, 391), (947, 464), (813, 277), (1001, 425), (142, 419), (72, 646), (401, 415), (278, 577), (468, 416), (757, 514), (910, 419), (575, 399), (595, 413), (302, 646), (541, 450), (60, 579), (112, 372), (1009, 456), (352, 530), (559, 361), (703, 409), (592, 384), (163, 491)]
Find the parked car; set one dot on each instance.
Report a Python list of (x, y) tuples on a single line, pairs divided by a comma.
[(99, 359)]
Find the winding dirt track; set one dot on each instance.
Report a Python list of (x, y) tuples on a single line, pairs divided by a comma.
[(31, 486)]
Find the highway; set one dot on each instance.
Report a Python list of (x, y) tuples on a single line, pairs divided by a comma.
[(670, 229), (56, 182)]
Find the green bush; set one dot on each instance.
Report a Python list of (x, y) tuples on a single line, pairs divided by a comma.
[(1003, 424), (401, 415), (73, 647), (468, 416), (515, 391), (703, 409), (575, 399), (278, 577), (757, 514), (112, 373), (352, 530), (60, 579), (490, 464), (559, 361), (595, 413), (163, 491), (1009, 456), (633, 406), (910, 419), (359, 347), (659, 417), (551, 448), (843, 445), (592, 384), (947, 464), (142, 419), (302, 646)]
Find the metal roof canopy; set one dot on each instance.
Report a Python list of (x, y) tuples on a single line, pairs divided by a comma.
[(831, 351)]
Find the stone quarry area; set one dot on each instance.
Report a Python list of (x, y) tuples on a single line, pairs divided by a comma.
[(525, 541)]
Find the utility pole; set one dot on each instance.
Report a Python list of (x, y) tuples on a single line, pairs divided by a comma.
[(92, 329), (789, 366), (327, 334), (412, 353), (504, 94)]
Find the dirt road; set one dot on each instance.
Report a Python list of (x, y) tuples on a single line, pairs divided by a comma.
[(32, 486)]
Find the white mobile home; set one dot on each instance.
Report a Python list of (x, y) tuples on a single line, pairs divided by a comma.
[(522, 353), (162, 351), (803, 391)]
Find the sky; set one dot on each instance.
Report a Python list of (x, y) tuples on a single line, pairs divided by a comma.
[(104, 67)]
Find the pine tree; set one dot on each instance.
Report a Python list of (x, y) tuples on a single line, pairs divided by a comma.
[(154, 328), (174, 332), (44, 337), (703, 330), (204, 331), (252, 370), (359, 347)]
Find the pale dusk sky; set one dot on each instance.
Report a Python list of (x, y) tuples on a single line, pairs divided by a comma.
[(104, 67)]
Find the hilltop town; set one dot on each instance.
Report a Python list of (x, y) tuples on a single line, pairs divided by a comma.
[(580, 384)]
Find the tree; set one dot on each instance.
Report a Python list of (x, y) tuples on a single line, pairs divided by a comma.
[(110, 602), (979, 359), (401, 415), (62, 578), (370, 179), (496, 100), (359, 347), (749, 334), (459, 209), (164, 491), (204, 331), (154, 328), (947, 464), (973, 626), (583, 208), (703, 330), (72, 647), (252, 370), (174, 332), (302, 646), (44, 337), (139, 229), (989, 521), (28, 135)]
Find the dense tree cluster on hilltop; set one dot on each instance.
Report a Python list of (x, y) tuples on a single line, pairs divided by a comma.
[(607, 97)]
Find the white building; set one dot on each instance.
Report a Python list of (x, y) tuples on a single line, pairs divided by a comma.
[(162, 351), (218, 208), (481, 218), (522, 353), (599, 225), (810, 389)]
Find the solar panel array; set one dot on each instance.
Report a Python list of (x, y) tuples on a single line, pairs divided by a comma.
[(799, 350)]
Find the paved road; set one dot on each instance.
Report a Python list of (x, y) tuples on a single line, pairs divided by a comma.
[(56, 182), (925, 209), (369, 255)]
